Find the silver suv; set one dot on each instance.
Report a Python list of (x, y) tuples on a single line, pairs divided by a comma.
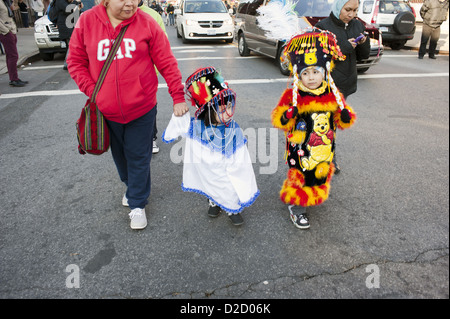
[(395, 19), (46, 36), (251, 37)]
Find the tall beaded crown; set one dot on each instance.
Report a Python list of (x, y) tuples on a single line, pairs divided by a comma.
[(313, 48)]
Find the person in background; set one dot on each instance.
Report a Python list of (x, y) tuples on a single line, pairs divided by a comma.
[(65, 25), (38, 8), (128, 97), (46, 3), (23, 8), (155, 15), (8, 38), (170, 13), (88, 4), (343, 24), (155, 6), (433, 13)]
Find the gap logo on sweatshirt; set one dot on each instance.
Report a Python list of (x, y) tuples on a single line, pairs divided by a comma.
[(104, 46)]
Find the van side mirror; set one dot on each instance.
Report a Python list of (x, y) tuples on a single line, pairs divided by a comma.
[(177, 11)]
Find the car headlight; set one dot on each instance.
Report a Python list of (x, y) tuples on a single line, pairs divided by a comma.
[(374, 42), (228, 22), (190, 22), (39, 28)]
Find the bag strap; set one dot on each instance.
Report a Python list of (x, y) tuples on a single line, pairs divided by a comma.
[(109, 59)]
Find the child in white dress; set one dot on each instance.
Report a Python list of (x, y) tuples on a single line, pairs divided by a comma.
[(217, 163)]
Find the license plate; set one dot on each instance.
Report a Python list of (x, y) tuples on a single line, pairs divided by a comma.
[(211, 32), (63, 44), (384, 29)]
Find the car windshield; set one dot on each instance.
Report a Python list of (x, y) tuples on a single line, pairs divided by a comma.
[(204, 7), (390, 6), (314, 8)]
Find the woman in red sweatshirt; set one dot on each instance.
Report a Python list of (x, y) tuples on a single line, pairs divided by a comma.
[(127, 97)]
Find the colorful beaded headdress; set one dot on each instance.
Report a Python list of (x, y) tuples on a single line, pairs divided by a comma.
[(305, 47), (313, 48), (207, 88)]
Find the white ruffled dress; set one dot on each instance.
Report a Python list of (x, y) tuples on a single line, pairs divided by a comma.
[(216, 162)]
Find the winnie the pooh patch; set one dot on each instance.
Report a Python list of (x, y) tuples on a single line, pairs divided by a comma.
[(320, 141)]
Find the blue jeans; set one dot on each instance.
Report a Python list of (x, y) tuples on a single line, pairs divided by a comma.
[(131, 148)]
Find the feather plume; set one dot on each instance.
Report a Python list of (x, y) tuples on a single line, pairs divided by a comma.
[(279, 20)]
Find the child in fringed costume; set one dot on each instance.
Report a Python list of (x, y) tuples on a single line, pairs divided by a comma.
[(217, 163), (309, 113)]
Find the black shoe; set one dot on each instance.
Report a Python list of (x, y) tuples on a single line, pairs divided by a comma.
[(300, 221), (17, 83), (420, 57), (337, 169), (299, 217), (236, 219), (213, 210), (65, 67), (432, 57)]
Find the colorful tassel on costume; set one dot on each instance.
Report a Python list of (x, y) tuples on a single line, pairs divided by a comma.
[(341, 125), (294, 192)]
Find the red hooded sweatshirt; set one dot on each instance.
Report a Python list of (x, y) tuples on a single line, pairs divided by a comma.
[(129, 89)]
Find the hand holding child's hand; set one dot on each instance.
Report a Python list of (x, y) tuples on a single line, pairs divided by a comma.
[(180, 109)]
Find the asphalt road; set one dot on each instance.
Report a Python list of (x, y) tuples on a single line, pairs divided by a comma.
[(383, 233)]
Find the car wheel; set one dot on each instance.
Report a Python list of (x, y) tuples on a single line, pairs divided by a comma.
[(397, 45), (46, 56), (404, 22), (242, 46), (183, 37), (283, 61), (362, 70)]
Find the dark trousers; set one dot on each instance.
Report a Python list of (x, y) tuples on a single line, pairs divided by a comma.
[(67, 52), (131, 148), (24, 16), (9, 42), (429, 33)]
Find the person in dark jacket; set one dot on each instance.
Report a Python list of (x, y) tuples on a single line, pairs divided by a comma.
[(65, 23), (343, 24), (24, 13), (434, 13)]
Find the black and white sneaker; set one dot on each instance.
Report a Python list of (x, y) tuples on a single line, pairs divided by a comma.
[(236, 219), (213, 210), (299, 217)]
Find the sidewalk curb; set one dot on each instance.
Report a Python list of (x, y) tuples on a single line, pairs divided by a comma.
[(439, 52), (22, 60)]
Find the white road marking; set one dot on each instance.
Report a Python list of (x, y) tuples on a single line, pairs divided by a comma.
[(220, 58), (234, 82)]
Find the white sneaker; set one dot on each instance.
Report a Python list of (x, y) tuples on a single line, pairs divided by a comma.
[(155, 148), (125, 200), (138, 219)]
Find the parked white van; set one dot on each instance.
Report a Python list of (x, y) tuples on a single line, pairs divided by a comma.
[(204, 20)]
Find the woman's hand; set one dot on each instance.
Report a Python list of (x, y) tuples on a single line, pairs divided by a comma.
[(180, 109), (354, 44)]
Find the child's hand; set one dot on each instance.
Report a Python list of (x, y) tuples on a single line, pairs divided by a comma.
[(345, 116), (180, 109)]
